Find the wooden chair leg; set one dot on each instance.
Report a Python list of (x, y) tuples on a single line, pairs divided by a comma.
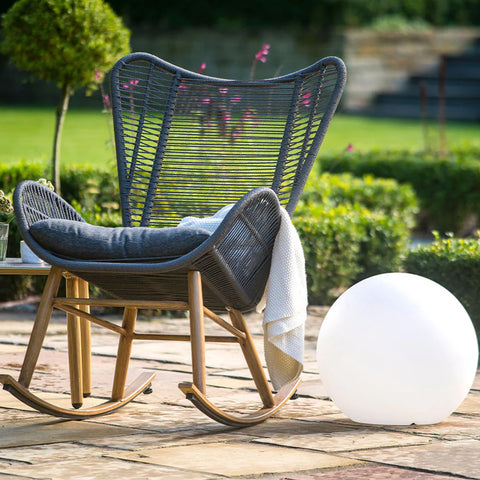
[(197, 330), (120, 395), (74, 346), (123, 354), (39, 330), (86, 341), (252, 358), (271, 403)]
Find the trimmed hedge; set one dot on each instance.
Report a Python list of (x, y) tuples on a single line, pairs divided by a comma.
[(455, 264), (94, 193), (345, 244), (90, 187), (376, 194), (351, 229), (447, 188)]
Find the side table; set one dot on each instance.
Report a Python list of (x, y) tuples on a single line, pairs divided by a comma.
[(78, 330)]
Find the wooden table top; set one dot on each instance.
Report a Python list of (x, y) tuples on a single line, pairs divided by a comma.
[(15, 266)]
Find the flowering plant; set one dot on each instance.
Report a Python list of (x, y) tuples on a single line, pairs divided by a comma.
[(220, 110), (6, 207), (260, 56)]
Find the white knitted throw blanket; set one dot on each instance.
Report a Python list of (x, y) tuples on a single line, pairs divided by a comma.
[(284, 302)]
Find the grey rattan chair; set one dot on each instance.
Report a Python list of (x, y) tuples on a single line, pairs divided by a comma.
[(187, 145)]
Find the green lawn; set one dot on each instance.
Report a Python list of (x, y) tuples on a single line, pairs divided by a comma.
[(379, 133), (28, 133)]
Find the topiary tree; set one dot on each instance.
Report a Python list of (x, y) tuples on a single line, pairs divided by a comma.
[(65, 41)]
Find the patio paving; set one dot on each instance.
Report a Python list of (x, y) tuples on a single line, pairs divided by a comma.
[(163, 436)]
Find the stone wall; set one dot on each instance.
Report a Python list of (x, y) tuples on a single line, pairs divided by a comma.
[(382, 62), (228, 54), (375, 62)]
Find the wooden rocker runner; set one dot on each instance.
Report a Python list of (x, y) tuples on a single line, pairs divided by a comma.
[(187, 145)]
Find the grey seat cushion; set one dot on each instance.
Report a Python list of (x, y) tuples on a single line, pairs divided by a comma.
[(80, 240)]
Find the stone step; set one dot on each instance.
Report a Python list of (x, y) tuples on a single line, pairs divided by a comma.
[(462, 90), (457, 96), (413, 110), (453, 90)]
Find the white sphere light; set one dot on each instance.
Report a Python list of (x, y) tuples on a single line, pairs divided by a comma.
[(397, 349)]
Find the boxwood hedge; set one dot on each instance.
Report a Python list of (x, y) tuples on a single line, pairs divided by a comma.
[(453, 263), (446, 187), (350, 227)]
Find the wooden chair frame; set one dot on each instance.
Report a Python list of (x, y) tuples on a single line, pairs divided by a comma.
[(76, 306)]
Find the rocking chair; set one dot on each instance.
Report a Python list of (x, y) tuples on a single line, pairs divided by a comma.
[(187, 145)]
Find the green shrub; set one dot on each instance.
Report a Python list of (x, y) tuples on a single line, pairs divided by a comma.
[(331, 245), (93, 193), (87, 185), (11, 175), (346, 243), (98, 216), (350, 228), (91, 188), (447, 188), (455, 264), (376, 194)]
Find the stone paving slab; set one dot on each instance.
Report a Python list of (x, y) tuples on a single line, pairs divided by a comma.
[(11, 348), (304, 407), (11, 477), (455, 457), (454, 427), (146, 440), (101, 468), (34, 454), (156, 434), (243, 459), (312, 388), (155, 418), (471, 405), (346, 441), (42, 429), (370, 472)]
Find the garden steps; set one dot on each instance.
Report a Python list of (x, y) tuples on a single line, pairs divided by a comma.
[(462, 91)]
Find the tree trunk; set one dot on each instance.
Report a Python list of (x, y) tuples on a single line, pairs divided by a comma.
[(61, 111)]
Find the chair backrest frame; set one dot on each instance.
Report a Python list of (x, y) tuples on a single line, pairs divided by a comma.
[(187, 143)]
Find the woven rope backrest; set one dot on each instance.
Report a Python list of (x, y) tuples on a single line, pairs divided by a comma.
[(188, 144)]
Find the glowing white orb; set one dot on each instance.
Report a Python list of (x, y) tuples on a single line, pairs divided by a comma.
[(397, 349)]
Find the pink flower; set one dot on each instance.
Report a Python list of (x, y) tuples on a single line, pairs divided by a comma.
[(262, 53), (306, 99), (131, 84), (106, 101), (247, 115), (98, 76), (202, 67), (350, 148), (261, 56), (206, 100), (223, 90), (236, 99)]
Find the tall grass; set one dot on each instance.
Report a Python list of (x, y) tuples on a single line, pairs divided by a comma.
[(28, 133)]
